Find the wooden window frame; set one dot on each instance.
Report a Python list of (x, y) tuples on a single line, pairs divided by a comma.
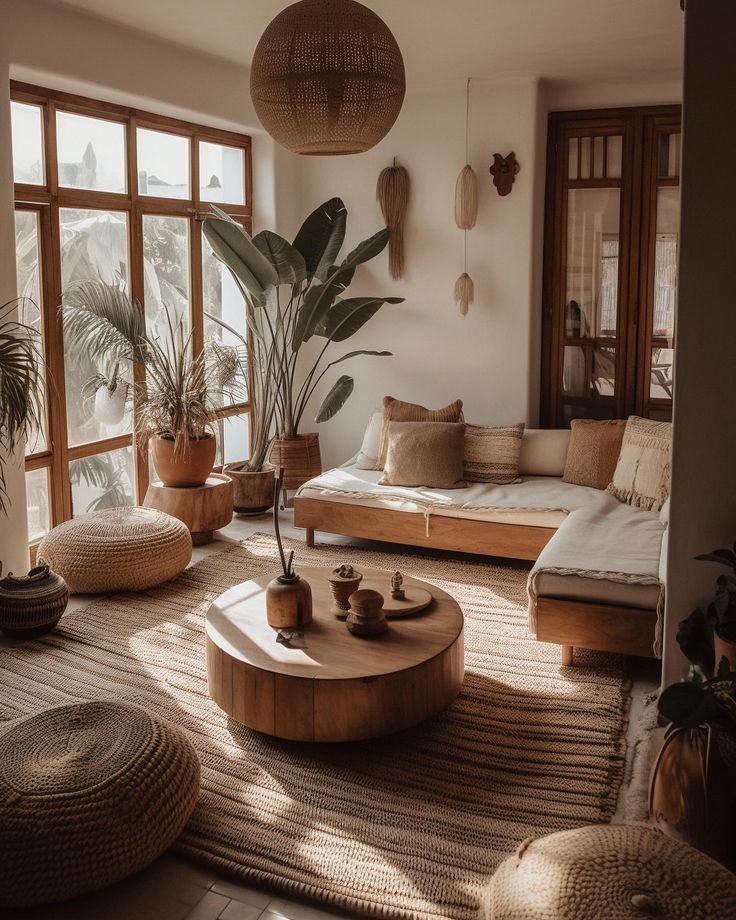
[(47, 200), (639, 128)]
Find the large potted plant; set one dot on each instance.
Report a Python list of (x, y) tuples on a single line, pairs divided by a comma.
[(693, 786), (175, 403), (294, 293)]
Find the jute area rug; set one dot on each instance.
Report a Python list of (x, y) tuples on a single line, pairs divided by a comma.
[(407, 826)]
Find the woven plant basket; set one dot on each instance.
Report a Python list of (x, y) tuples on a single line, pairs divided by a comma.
[(89, 794), (299, 456), (32, 604), (252, 491)]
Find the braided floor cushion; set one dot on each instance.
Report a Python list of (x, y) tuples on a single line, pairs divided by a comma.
[(123, 549), (89, 794), (616, 872)]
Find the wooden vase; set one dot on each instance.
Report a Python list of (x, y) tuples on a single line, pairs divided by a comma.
[(288, 602), (253, 491), (342, 588), (366, 616), (300, 458), (185, 468), (32, 604)]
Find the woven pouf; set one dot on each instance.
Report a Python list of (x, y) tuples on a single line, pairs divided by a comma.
[(123, 549), (616, 872), (89, 793)]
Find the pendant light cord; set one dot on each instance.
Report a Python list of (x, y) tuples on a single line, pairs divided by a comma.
[(467, 160)]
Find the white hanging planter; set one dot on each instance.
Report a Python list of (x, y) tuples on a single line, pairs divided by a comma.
[(110, 404)]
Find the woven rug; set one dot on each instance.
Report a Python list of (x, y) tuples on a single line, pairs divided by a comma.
[(407, 826)]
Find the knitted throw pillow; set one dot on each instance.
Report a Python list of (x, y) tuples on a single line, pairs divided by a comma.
[(592, 453), (394, 410), (425, 454), (644, 467), (492, 454)]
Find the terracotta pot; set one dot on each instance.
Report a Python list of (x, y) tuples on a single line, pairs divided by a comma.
[(692, 792), (300, 458), (32, 604), (724, 648), (252, 492), (188, 467)]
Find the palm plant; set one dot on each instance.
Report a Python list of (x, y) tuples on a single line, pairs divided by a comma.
[(21, 386), (293, 293)]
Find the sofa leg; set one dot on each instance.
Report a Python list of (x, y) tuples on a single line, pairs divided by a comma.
[(310, 536), (566, 656)]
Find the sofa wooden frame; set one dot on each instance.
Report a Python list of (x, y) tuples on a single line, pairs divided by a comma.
[(566, 622)]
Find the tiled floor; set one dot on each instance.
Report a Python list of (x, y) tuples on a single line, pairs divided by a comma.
[(174, 889)]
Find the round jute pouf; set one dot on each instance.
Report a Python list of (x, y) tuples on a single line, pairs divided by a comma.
[(616, 872), (89, 794), (123, 549)]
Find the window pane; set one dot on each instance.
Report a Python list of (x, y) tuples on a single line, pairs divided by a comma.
[(91, 153), (572, 159), (37, 504), (669, 156), (94, 244), (29, 291), (614, 156), (102, 481), (221, 173), (661, 381), (27, 133), (163, 164), (223, 299), (165, 272), (665, 261), (233, 439)]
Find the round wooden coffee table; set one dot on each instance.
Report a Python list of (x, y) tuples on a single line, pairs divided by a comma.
[(338, 687)]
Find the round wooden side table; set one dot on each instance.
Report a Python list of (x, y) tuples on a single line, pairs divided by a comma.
[(203, 509), (336, 686)]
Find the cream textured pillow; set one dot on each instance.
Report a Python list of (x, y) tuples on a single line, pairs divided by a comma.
[(394, 410), (425, 454), (492, 454), (367, 458), (593, 451), (642, 476)]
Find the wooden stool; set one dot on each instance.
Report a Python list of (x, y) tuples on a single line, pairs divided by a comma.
[(203, 509)]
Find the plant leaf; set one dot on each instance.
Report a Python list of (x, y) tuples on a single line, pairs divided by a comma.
[(336, 398), (345, 317), (722, 556), (317, 302), (368, 249), (688, 705), (287, 261), (232, 245), (321, 237)]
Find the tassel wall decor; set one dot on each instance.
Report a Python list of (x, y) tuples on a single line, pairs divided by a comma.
[(466, 213), (392, 192)]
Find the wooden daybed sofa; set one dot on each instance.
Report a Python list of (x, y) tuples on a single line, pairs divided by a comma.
[(597, 578)]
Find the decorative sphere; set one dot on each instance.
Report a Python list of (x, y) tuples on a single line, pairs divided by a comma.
[(327, 78)]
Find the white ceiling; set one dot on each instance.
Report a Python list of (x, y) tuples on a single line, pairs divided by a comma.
[(442, 40)]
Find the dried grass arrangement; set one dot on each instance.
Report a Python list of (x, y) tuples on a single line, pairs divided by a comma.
[(392, 193), (466, 213)]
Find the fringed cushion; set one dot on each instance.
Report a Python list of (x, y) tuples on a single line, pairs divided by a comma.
[(492, 454), (644, 467), (394, 410), (593, 452)]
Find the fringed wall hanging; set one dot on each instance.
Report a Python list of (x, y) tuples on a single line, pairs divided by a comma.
[(392, 192), (466, 213)]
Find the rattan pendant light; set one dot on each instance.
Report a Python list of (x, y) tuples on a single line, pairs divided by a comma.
[(327, 78)]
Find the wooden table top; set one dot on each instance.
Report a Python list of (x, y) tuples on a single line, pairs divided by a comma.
[(236, 623)]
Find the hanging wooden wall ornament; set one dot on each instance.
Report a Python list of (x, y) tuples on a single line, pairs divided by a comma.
[(466, 213), (392, 192)]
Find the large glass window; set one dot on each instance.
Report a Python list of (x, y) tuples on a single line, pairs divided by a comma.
[(79, 217)]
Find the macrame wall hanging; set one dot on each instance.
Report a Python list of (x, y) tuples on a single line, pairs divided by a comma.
[(392, 192), (466, 213)]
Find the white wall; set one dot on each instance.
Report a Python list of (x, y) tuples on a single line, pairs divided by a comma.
[(439, 355)]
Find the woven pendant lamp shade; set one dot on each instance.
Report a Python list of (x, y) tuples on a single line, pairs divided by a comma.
[(327, 78)]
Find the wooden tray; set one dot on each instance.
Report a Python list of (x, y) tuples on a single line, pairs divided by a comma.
[(416, 599)]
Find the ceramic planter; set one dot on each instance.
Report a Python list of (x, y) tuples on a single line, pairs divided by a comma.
[(252, 491), (299, 456), (189, 467), (32, 604)]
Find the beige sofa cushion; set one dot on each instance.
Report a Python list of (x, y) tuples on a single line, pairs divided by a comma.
[(543, 451), (597, 590), (425, 454), (367, 458), (492, 454), (592, 454), (642, 476), (394, 410)]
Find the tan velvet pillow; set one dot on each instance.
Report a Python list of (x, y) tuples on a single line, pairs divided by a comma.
[(644, 467), (592, 453), (425, 454), (394, 410), (492, 453)]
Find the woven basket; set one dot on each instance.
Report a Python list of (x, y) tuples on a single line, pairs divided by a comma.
[(123, 549), (89, 794), (300, 457), (32, 604), (616, 872)]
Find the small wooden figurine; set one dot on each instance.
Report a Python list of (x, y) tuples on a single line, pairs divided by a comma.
[(504, 171), (343, 581), (288, 597), (397, 592), (366, 613)]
